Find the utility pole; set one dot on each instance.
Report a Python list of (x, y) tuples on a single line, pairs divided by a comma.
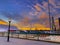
[(49, 15)]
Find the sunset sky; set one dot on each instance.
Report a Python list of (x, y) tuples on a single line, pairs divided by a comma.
[(26, 14)]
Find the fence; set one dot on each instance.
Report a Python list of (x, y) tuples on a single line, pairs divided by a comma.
[(31, 35)]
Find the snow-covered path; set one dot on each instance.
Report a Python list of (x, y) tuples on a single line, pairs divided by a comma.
[(15, 41)]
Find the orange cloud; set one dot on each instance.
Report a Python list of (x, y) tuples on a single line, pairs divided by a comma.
[(36, 26), (25, 20), (43, 15), (39, 26), (3, 22), (37, 7)]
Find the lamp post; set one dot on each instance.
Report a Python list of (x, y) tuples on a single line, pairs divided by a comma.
[(8, 31)]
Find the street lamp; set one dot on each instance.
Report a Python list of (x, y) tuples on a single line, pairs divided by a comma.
[(8, 30)]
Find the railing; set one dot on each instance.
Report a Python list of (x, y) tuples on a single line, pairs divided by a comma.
[(40, 35)]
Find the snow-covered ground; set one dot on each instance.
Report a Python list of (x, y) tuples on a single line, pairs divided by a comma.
[(15, 41), (53, 38)]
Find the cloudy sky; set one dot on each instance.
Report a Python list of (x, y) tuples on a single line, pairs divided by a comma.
[(29, 13)]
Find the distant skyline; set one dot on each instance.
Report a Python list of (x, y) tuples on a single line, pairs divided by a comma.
[(29, 13)]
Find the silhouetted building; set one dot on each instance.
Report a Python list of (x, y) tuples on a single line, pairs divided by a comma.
[(59, 22), (58, 31)]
